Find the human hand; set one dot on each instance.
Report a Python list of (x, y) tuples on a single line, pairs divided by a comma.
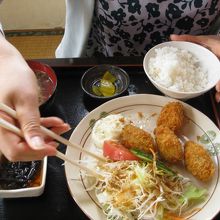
[(19, 90), (17, 148), (212, 42)]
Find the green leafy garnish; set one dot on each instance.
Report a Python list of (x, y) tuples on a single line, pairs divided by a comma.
[(193, 193), (149, 158)]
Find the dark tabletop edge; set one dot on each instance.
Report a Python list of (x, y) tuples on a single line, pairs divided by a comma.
[(88, 62), (215, 108)]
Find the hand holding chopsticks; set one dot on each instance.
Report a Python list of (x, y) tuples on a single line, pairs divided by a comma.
[(51, 134), (48, 132)]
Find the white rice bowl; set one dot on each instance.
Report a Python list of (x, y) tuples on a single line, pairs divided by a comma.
[(182, 70)]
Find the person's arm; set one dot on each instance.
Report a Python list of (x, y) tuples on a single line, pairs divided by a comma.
[(1, 30), (19, 90), (212, 42)]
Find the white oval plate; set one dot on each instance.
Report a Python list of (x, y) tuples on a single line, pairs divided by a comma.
[(195, 129)]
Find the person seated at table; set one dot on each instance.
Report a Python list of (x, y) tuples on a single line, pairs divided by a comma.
[(117, 28), (132, 27)]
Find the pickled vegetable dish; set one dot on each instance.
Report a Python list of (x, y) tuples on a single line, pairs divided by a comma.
[(105, 86)]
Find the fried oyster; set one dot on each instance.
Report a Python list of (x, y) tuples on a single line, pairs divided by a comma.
[(134, 137), (168, 144), (198, 161), (172, 116)]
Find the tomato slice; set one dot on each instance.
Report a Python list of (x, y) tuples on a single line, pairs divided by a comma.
[(116, 151)]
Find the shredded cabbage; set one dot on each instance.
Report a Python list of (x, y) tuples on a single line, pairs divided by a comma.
[(133, 190)]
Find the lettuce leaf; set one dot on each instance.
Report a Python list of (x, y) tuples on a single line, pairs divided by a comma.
[(193, 193)]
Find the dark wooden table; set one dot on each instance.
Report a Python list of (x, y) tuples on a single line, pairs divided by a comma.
[(70, 104)]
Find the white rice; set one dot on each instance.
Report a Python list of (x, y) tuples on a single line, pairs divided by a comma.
[(178, 70)]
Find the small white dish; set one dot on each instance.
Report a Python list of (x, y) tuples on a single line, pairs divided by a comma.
[(208, 61), (28, 191)]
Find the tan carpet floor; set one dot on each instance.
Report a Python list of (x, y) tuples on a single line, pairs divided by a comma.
[(36, 47)]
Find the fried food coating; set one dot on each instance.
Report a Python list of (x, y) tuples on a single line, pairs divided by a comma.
[(168, 144), (134, 137), (198, 161), (172, 116)]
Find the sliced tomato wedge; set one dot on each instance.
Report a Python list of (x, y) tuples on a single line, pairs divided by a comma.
[(116, 151)]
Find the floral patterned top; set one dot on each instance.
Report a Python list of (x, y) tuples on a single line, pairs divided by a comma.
[(132, 27)]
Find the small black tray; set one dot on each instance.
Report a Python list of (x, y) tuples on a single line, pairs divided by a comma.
[(70, 103)]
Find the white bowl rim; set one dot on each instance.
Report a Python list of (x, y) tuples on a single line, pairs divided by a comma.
[(175, 91)]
